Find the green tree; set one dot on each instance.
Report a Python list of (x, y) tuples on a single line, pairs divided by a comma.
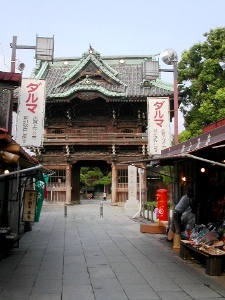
[(201, 75), (83, 180), (167, 174), (94, 176), (184, 136), (105, 180)]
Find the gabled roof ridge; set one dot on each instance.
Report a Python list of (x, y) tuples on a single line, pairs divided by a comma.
[(96, 59), (77, 67), (110, 57), (42, 70), (107, 66)]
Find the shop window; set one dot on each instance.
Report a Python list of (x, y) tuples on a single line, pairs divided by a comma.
[(58, 179), (122, 178)]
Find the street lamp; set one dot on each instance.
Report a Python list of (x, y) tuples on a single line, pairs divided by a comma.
[(151, 72), (44, 50), (169, 57)]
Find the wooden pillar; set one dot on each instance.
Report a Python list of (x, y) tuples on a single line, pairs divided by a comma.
[(114, 184), (68, 183), (176, 192), (76, 184)]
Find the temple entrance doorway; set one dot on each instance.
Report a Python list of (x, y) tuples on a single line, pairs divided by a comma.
[(84, 175)]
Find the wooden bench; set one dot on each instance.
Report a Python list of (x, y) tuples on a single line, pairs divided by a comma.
[(214, 262)]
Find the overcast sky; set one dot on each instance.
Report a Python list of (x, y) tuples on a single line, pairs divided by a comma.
[(119, 27)]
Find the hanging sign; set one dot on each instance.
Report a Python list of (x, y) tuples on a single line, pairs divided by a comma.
[(159, 136), (29, 207), (31, 110)]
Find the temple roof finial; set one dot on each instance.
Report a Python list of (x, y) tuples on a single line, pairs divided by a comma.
[(91, 50)]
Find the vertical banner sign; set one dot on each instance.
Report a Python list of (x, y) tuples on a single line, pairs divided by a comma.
[(4, 108), (40, 188), (132, 183), (29, 207), (159, 137), (31, 110)]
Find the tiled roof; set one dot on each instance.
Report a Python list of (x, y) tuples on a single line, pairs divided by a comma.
[(126, 78), (99, 63)]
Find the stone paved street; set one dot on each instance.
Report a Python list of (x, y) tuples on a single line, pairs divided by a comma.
[(88, 257)]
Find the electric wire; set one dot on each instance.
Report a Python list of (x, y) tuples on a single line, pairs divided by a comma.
[(2, 53)]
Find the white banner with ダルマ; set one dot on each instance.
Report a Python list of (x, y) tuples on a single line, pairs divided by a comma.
[(31, 111), (159, 136)]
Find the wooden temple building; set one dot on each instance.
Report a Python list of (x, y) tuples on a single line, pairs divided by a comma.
[(96, 115)]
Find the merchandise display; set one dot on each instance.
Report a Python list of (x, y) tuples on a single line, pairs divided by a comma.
[(209, 238)]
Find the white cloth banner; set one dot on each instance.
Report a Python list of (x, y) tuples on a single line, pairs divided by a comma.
[(159, 136), (132, 183), (31, 111)]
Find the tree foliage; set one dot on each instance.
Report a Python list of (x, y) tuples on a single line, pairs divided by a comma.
[(94, 176), (105, 180), (201, 75), (166, 174), (184, 136)]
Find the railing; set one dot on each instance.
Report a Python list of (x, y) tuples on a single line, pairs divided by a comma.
[(95, 136)]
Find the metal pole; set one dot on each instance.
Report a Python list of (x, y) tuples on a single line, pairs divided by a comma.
[(13, 57), (175, 103), (212, 162), (14, 46), (13, 68), (101, 210), (21, 171), (140, 187), (65, 210)]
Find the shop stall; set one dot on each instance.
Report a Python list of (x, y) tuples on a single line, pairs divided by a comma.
[(199, 164), (18, 173)]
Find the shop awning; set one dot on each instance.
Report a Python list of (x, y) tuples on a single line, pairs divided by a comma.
[(212, 138), (173, 159), (13, 156), (195, 148), (10, 79)]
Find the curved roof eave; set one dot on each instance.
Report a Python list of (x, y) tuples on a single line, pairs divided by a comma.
[(86, 89), (164, 85), (42, 71)]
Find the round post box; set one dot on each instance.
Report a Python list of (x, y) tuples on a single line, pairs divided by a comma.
[(162, 199)]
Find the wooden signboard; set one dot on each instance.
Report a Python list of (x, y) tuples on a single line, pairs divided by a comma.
[(29, 207)]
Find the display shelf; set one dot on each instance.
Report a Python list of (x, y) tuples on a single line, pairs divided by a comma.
[(212, 258)]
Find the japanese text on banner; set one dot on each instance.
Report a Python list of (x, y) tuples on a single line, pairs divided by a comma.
[(31, 113), (159, 137)]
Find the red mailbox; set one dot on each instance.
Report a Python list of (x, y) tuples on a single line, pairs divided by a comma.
[(162, 205)]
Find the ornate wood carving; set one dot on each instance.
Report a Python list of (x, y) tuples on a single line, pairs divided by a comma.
[(87, 96)]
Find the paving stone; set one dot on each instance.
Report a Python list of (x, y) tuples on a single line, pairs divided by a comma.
[(86, 257)]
